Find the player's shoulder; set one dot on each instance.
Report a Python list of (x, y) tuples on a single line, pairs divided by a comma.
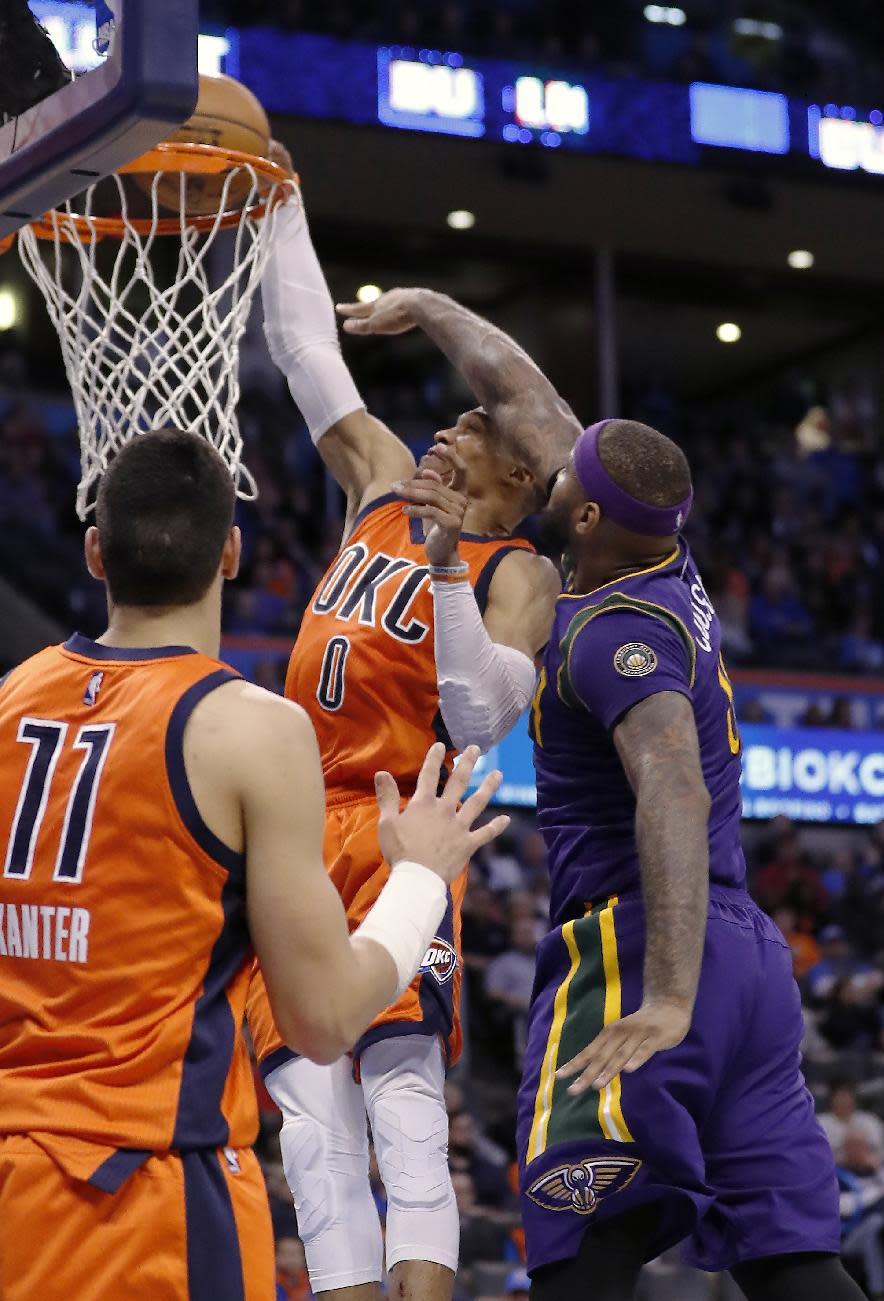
[(625, 620), (523, 574), (241, 717)]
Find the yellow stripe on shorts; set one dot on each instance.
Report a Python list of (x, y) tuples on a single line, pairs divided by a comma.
[(610, 1111), (543, 1101)]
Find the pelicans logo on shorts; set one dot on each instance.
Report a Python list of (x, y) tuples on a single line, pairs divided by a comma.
[(579, 1187), (440, 961)]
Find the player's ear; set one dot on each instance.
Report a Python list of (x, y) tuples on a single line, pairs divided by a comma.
[(589, 517), (230, 556), (92, 549)]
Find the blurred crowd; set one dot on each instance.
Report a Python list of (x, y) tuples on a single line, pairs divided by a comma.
[(827, 896), (810, 50), (787, 527), (790, 539)]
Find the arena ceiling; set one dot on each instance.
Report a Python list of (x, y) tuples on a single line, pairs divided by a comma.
[(692, 248)]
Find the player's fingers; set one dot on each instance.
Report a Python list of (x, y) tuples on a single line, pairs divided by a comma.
[(580, 1060), (477, 803), (595, 1058), (428, 778), (643, 1053), (387, 793), (423, 490), (354, 309), (433, 514), (428, 474), (280, 155), (354, 326), (488, 831), (460, 778), (481, 798), (621, 1054)]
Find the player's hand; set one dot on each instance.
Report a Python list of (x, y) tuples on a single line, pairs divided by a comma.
[(389, 314), (277, 153), (437, 830), (627, 1044), (436, 496)]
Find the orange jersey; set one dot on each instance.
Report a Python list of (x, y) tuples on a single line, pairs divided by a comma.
[(172, 1225), (363, 666), (364, 669), (124, 951)]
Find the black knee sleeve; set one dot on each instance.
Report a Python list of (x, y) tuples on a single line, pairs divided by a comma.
[(796, 1277), (607, 1266)]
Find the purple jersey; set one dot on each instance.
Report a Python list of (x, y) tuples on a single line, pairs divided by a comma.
[(652, 631)]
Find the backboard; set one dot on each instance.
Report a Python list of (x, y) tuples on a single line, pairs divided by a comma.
[(135, 79)]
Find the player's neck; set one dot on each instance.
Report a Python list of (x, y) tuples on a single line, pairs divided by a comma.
[(489, 519), (605, 566), (197, 626)]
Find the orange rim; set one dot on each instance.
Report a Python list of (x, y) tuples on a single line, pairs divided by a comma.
[(6, 243), (194, 159)]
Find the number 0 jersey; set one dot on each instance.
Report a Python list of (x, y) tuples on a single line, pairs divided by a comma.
[(363, 665), (653, 631), (124, 952)]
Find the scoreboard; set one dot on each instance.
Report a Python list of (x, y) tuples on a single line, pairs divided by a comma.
[(449, 93)]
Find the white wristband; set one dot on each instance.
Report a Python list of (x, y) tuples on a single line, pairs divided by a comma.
[(405, 917)]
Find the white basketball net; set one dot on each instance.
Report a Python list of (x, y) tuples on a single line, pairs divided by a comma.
[(143, 350)]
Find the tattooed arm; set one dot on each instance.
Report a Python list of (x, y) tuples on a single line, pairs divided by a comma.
[(657, 743), (523, 405)]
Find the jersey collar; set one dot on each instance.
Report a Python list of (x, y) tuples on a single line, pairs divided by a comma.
[(94, 650)]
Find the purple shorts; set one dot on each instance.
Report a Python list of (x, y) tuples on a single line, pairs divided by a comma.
[(719, 1132)]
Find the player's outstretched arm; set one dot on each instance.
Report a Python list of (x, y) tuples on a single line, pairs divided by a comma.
[(518, 397), (657, 743), (326, 986), (484, 664), (302, 335)]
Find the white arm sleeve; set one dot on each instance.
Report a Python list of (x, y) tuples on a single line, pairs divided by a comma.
[(300, 326), (484, 687)]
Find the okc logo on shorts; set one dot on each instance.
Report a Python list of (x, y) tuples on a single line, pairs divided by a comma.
[(579, 1187), (440, 961)]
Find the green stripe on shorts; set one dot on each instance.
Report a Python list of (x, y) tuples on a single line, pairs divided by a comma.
[(575, 1117)]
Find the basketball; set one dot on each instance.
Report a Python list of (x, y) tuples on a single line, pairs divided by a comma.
[(228, 116)]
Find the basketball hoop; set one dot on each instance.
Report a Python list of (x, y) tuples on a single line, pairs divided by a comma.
[(141, 352)]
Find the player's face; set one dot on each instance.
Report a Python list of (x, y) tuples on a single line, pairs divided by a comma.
[(473, 440), (559, 518)]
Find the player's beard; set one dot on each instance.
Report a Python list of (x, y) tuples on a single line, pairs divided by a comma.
[(553, 533)]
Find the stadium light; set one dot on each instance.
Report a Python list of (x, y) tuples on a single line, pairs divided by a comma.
[(801, 259), (669, 14), (8, 309), (461, 219), (729, 332), (368, 293), (753, 27)]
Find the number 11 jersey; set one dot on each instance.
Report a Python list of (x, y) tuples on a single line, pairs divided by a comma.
[(124, 949)]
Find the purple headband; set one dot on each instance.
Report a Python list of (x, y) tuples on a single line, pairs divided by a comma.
[(618, 504)]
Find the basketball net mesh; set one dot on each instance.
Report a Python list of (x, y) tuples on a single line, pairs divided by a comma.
[(142, 349)]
